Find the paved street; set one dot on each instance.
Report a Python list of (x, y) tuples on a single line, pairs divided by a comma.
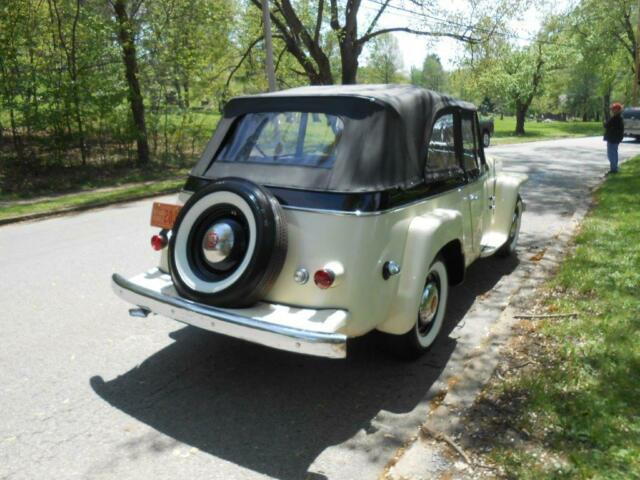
[(87, 392)]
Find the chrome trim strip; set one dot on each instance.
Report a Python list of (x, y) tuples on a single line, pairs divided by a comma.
[(358, 213), (329, 345)]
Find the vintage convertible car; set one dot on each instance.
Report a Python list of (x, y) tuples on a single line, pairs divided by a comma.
[(319, 214)]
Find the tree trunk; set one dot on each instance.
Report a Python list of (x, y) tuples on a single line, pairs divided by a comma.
[(70, 51), (606, 101), (126, 38), (349, 60), (185, 88), (521, 115)]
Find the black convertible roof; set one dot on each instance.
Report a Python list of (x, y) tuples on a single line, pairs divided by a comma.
[(383, 146)]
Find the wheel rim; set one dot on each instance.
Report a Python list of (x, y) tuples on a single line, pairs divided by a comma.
[(218, 242), (485, 139), (429, 305)]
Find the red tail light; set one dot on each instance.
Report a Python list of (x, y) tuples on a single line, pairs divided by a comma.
[(158, 242), (324, 278)]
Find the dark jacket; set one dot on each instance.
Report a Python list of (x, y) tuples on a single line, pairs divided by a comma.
[(614, 129)]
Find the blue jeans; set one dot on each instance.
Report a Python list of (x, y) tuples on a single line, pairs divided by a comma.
[(612, 153)]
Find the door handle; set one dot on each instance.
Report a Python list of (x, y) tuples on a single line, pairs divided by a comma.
[(473, 197)]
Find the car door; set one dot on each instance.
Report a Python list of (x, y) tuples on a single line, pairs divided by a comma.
[(444, 172), (477, 174)]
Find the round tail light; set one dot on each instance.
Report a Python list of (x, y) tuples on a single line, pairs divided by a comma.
[(324, 278), (158, 242)]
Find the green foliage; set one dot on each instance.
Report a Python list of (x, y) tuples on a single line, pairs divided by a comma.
[(64, 95), (384, 61), (432, 76), (587, 62), (583, 408)]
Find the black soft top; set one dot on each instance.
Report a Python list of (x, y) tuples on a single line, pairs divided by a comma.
[(383, 146)]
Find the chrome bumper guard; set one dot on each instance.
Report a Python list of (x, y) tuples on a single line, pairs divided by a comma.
[(307, 331)]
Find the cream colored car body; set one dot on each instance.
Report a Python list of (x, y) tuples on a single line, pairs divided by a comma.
[(476, 217)]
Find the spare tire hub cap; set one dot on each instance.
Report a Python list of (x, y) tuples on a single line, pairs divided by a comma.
[(217, 242)]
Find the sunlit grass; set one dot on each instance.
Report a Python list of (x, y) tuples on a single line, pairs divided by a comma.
[(505, 128), (89, 199)]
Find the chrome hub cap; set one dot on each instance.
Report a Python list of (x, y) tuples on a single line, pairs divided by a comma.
[(428, 306), (217, 242)]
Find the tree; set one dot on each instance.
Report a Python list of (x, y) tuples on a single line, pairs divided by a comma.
[(384, 61), (432, 75), (524, 71), (304, 31), (127, 40)]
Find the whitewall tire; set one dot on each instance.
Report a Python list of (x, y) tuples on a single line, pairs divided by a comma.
[(509, 247)]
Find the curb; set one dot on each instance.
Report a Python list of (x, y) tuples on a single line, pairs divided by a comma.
[(81, 208)]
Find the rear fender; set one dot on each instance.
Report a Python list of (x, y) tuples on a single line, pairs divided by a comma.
[(507, 190), (426, 236)]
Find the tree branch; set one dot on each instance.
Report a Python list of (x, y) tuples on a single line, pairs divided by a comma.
[(280, 55), (292, 41), (335, 22), (463, 38), (316, 33), (374, 22), (242, 59)]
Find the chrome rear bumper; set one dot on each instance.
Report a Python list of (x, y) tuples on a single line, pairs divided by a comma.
[(277, 326)]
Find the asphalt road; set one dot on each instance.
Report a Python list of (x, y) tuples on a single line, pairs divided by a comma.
[(87, 392)]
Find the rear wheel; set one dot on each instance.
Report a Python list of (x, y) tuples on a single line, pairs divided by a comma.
[(486, 139), (429, 318)]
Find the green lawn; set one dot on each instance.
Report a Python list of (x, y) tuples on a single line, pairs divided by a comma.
[(505, 128), (89, 199), (580, 405)]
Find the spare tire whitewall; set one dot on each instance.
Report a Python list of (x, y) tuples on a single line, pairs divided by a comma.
[(181, 260), (228, 245)]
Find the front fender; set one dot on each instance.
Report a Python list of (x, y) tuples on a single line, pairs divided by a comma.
[(426, 236)]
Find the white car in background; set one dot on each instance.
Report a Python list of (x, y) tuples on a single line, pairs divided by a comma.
[(319, 214)]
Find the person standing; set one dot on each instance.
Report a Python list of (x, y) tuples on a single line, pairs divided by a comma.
[(613, 134)]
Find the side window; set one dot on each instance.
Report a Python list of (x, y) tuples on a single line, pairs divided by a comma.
[(469, 144), (442, 162)]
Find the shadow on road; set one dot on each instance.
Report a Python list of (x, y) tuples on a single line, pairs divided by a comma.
[(274, 412)]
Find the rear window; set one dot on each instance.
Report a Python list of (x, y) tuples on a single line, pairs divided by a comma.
[(284, 138)]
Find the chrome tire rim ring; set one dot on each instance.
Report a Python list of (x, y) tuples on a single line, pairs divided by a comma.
[(429, 305)]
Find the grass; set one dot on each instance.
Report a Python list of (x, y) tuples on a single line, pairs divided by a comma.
[(88, 199), (580, 405), (542, 131)]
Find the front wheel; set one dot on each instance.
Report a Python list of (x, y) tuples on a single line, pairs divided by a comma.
[(509, 247), (429, 318)]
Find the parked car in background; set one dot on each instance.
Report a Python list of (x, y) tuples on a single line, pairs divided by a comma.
[(486, 130), (319, 214), (631, 117)]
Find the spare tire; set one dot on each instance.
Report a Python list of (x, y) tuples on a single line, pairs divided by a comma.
[(228, 244)]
